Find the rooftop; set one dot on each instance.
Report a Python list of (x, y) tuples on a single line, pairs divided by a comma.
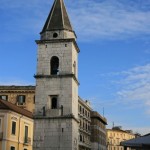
[(95, 114), (5, 105), (14, 87), (138, 142)]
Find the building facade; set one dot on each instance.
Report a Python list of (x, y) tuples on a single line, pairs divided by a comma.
[(98, 131), (84, 115), (22, 96), (116, 135), (16, 127), (91, 133)]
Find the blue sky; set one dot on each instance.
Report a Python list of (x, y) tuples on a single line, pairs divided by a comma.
[(114, 62)]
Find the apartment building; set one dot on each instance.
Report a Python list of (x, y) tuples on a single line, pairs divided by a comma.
[(16, 127), (98, 131), (22, 96), (116, 135), (84, 114)]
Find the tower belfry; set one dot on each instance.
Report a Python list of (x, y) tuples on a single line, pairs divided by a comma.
[(58, 18), (56, 106)]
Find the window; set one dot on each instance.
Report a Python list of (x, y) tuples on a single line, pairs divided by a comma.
[(83, 139), (80, 109), (88, 114), (34, 99), (54, 65), (54, 103), (13, 130), (86, 126), (83, 111), (4, 97), (89, 127), (21, 99), (26, 134), (12, 148), (80, 123), (80, 137), (55, 35), (74, 66)]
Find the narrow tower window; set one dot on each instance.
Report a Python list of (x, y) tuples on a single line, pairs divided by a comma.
[(54, 103), (54, 65), (74, 66)]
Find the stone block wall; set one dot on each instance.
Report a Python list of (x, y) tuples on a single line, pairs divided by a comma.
[(55, 134)]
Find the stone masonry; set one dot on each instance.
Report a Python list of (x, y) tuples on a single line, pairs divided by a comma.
[(56, 107)]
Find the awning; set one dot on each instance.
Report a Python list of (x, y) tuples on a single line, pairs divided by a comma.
[(143, 141)]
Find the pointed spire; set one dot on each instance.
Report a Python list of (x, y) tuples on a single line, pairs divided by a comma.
[(58, 18)]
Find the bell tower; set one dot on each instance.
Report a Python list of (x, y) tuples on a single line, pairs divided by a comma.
[(56, 106)]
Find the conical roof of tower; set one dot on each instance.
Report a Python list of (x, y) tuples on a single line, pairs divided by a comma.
[(58, 18)]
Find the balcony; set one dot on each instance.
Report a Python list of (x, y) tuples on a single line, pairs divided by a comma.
[(85, 144), (23, 105), (53, 112), (85, 131), (27, 140)]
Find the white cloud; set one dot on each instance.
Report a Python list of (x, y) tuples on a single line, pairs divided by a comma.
[(109, 19), (130, 88), (135, 86)]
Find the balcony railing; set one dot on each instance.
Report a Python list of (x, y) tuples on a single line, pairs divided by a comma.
[(53, 112), (27, 140), (21, 104)]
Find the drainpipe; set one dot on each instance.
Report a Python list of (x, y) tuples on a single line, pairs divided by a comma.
[(19, 131)]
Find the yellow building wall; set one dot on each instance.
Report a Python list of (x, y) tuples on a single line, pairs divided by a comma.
[(114, 137), (16, 140), (2, 116)]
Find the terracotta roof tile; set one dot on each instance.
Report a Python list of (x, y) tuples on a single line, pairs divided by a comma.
[(9, 106)]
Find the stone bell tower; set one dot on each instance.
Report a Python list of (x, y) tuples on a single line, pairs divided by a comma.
[(56, 106)]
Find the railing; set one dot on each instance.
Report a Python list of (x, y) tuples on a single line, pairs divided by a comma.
[(27, 140), (21, 104), (53, 112)]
